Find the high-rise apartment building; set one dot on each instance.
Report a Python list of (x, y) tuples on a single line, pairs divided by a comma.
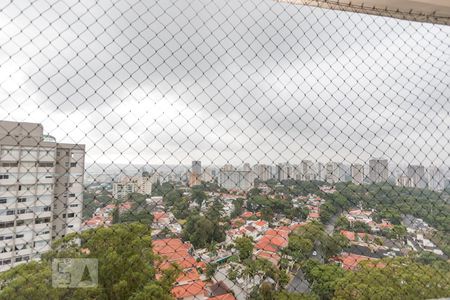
[(133, 184), (41, 191), (378, 170), (307, 170), (357, 173), (234, 179), (262, 172), (320, 171), (195, 174), (285, 171), (332, 172), (436, 178), (417, 175)]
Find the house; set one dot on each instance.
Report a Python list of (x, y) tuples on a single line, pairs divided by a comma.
[(161, 218), (350, 261), (191, 291), (261, 225), (189, 284)]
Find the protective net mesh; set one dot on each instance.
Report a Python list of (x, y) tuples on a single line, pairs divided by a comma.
[(222, 150)]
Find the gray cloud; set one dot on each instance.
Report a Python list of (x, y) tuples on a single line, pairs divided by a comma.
[(226, 81)]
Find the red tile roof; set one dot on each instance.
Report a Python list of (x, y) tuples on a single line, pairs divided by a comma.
[(274, 258), (350, 261), (348, 234), (313, 215), (260, 223), (188, 275), (271, 243), (247, 214), (159, 215), (189, 290)]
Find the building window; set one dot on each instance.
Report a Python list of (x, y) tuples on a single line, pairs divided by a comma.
[(5, 262), (2, 200), (21, 200), (73, 165), (4, 176), (45, 164), (10, 212), (20, 235), (72, 195), (42, 220), (6, 224), (10, 164)]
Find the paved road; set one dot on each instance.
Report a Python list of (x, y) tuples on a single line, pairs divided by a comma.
[(299, 284)]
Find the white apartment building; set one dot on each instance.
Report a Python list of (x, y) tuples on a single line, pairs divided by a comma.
[(378, 170), (307, 170), (41, 191), (357, 172), (133, 184), (262, 172), (332, 172), (232, 179)]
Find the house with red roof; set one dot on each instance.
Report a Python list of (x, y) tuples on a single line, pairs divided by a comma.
[(191, 291), (189, 284), (350, 261), (161, 218), (261, 225), (247, 214)]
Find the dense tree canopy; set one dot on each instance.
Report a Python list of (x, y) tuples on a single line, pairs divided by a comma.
[(400, 278), (245, 247), (125, 267), (202, 231)]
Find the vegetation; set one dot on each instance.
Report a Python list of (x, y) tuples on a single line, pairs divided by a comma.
[(311, 237), (92, 200), (245, 247), (201, 231), (400, 278), (125, 268), (323, 277)]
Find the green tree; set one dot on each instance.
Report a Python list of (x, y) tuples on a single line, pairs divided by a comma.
[(245, 247), (400, 278), (125, 267), (201, 231), (198, 195)]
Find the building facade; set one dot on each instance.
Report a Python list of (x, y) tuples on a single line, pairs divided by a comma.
[(417, 175), (332, 172), (307, 170), (378, 170), (357, 173), (133, 184), (262, 172), (41, 191), (233, 179), (436, 178)]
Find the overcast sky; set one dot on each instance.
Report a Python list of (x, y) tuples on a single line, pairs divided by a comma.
[(226, 81)]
